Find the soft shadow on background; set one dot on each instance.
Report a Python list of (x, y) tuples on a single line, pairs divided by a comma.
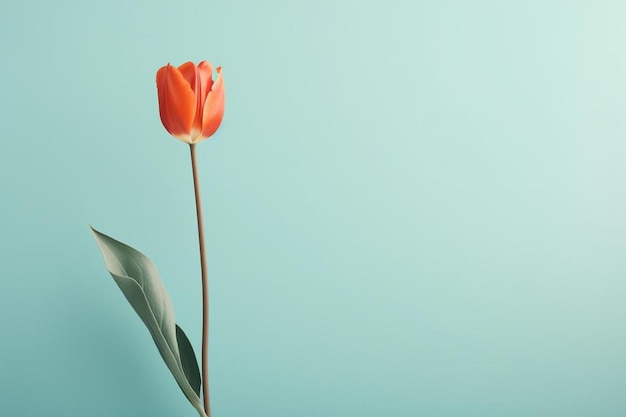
[(412, 208)]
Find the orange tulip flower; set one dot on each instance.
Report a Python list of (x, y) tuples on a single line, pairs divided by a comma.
[(191, 104)]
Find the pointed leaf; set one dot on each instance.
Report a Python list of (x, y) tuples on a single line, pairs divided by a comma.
[(188, 360), (141, 284)]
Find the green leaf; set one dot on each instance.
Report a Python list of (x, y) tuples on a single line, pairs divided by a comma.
[(141, 284), (188, 359)]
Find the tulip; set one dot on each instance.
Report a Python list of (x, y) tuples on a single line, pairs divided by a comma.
[(191, 104)]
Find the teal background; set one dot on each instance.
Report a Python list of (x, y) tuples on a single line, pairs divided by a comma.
[(413, 208)]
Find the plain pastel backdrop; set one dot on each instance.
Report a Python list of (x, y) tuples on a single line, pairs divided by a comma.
[(413, 208)]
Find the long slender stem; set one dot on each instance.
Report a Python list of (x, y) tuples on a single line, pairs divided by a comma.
[(205, 286)]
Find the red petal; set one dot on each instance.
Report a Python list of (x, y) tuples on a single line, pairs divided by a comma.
[(188, 70), (205, 71), (213, 110), (177, 102)]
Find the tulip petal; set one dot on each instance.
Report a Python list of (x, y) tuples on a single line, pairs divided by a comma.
[(205, 71), (188, 70), (191, 74), (213, 110), (177, 102), (200, 79)]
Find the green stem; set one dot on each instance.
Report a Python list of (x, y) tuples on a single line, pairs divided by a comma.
[(205, 286)]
